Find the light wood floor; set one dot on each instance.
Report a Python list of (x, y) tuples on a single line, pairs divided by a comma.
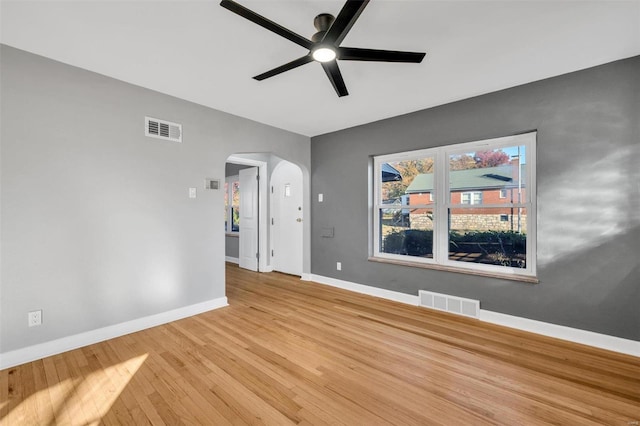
[(293, 352)]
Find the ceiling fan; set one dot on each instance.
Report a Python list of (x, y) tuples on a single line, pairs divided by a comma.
[(324, 46)]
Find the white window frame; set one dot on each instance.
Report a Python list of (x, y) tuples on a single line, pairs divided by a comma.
[(442, 204), (472, 200), (229, 180)]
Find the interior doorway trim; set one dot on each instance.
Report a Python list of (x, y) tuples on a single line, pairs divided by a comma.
[(263, 200)]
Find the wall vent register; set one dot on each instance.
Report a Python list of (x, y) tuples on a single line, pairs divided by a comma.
[(452, 304), (162, 129)]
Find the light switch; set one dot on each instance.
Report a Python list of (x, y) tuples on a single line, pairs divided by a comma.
[(192, 193), (320, 198)]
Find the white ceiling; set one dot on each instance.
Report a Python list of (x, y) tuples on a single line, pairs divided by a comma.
[(201, 52)]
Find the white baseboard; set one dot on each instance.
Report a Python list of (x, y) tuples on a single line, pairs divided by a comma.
[(603, 341), (54, 347), (232, 259), (365, 289), (305, 277)]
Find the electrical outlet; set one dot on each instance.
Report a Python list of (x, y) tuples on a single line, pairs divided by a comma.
[(339, 266), (35, 318)]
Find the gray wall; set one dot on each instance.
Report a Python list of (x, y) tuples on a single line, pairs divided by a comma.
[(96, 225), (232, 246), (588, 197)]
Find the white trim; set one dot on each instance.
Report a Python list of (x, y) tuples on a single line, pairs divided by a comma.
[(306, 277), (603, 341), (64, 344), (368, 290), (575, 335), (232, 260), (240, 159)]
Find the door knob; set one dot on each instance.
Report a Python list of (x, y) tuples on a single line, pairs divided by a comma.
[(299, 219)]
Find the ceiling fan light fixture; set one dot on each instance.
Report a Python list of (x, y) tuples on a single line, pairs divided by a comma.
[(325, 45), (324, 54)]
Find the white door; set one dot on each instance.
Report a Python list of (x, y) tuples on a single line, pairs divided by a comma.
[(287, 218), (248, 252)]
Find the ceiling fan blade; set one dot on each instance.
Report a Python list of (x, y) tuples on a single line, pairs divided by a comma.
[(286, 67), (335, 77), (356, 54), (344, 21), (266, 23)]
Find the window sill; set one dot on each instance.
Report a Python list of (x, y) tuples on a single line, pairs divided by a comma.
[(521, 278), (232, 234)]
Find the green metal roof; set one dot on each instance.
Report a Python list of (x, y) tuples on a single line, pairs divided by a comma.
[(421, 183), (489, 177)]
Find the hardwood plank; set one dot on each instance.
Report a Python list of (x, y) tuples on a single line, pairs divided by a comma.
[(292, 352), (42, 401)]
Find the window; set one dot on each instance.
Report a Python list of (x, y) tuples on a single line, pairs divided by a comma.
[(471, 197), (232, 209), (467, 207)]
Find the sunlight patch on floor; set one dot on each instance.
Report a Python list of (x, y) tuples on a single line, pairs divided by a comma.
[(80, 400)]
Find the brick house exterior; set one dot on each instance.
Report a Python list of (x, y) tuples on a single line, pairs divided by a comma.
[(484, 186)]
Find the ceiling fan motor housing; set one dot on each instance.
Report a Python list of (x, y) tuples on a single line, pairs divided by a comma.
[(322, 23)]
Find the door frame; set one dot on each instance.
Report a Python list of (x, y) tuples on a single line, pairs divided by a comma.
[(263, 191)]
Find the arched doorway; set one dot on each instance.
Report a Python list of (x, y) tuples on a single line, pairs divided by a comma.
[(282, 205)]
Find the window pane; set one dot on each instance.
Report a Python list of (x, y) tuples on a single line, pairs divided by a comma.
[(226, 206), (406, 232), (235, 202), (407, 180), (235, 225), (485, 222), (235, 206), (488, 177), (494, 236)]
